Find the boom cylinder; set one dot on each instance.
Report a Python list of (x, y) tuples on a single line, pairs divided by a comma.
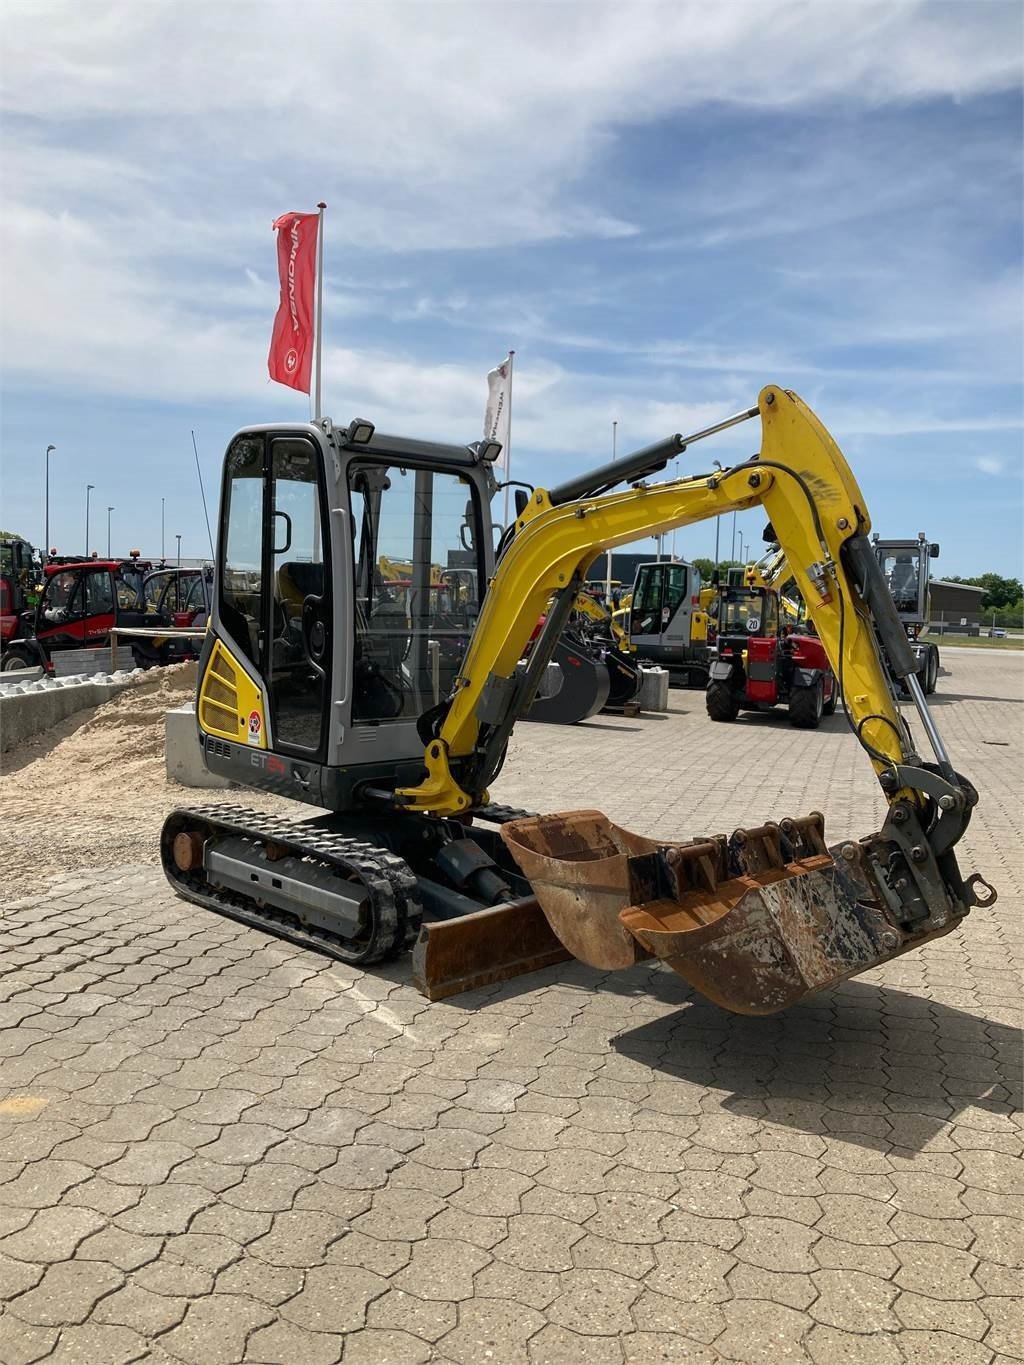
[(647, 460)]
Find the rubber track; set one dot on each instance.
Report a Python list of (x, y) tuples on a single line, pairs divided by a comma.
[(389, 880), (500, 815)]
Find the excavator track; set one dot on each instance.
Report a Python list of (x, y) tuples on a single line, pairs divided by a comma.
[(389, 916)]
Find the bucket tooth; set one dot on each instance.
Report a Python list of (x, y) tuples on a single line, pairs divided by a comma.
[(755, 921)]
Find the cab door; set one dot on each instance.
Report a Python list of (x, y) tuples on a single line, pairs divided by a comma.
[(98, 605), (661, 611), (645, 613), (275, 600), (676, 608), (60, 613)]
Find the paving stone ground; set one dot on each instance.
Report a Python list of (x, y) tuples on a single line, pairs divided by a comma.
[(215, 1147)]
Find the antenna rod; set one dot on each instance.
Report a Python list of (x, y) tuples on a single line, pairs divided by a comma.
[(203, 495)]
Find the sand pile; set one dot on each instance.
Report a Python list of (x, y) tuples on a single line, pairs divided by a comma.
[(93, 791)]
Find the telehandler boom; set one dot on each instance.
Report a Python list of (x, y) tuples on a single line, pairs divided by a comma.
[(345, 705)]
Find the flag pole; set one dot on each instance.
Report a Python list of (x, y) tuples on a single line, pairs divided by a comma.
[(508, 448), (319, 306)]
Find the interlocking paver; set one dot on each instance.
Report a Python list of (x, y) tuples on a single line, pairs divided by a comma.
[(215, 1146)]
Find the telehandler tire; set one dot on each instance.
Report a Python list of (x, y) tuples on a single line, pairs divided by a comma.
[(829, 707), (16, 658), (722, 702), (806, 706), (931, 673)]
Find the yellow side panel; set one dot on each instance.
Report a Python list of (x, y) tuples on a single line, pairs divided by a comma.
[(230, 703)]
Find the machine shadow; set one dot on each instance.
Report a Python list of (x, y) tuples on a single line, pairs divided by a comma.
[(944, 698), (862, 1062)]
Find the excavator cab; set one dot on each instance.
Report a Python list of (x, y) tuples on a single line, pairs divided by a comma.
[(321, 660)]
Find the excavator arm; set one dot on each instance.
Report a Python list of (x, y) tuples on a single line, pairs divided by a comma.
[(762, 919)]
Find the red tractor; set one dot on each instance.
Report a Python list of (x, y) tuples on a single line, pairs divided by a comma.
[(761, 661)]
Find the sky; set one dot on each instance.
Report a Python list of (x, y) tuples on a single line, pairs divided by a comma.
[(661, 209)]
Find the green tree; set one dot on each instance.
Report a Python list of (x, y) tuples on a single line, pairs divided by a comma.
[(706, 567)]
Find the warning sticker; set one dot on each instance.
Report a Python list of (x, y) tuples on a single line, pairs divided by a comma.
[(255, 725)]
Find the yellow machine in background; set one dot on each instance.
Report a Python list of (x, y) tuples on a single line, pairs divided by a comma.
[(596, 613), (414, 846)]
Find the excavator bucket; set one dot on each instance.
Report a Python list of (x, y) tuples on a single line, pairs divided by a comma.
[(755, 922)]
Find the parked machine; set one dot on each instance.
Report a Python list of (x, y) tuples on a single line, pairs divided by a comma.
[(605, 639), (80, 602), (332, 704), (176, 598), (762, 660), (21, 572), (906, 566), (666, 622)]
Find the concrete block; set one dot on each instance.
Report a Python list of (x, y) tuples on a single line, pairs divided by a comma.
[(67, 662), (551, 682), (20, 675), (654, 689), (183, 756), (26, 709)]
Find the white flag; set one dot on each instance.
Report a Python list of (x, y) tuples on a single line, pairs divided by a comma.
[(498, 416)]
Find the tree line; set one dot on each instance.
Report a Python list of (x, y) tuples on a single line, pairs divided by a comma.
[(1002, 605)]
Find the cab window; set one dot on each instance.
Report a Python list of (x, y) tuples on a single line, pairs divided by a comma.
[(61, 593), (739, 611), (675, 587), (127, 594), (99, 596), (241, 582), (646, 611)]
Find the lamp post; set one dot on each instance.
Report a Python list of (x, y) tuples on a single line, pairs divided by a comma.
[(733, 551), (163, 550), (608, 555), (46, 542), (178, 539), (109, 510), (88, 489)]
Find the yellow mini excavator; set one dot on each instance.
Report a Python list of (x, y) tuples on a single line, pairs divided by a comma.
[(312, 685)]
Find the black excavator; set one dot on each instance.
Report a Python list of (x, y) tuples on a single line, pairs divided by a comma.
[(395, 717)]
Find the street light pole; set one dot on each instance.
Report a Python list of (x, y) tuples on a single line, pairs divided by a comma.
[(46, 543), (733, 551), (163, 551), (608, 556), (88, 489), (109, 510), (178, 539)]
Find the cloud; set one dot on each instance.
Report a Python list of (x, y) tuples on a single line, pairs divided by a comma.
[(989, 464), (148, 147)]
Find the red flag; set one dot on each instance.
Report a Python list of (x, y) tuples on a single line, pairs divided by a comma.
[(291, 346)]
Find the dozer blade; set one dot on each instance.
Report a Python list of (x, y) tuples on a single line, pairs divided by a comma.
[(755, 922), (492, 945)]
